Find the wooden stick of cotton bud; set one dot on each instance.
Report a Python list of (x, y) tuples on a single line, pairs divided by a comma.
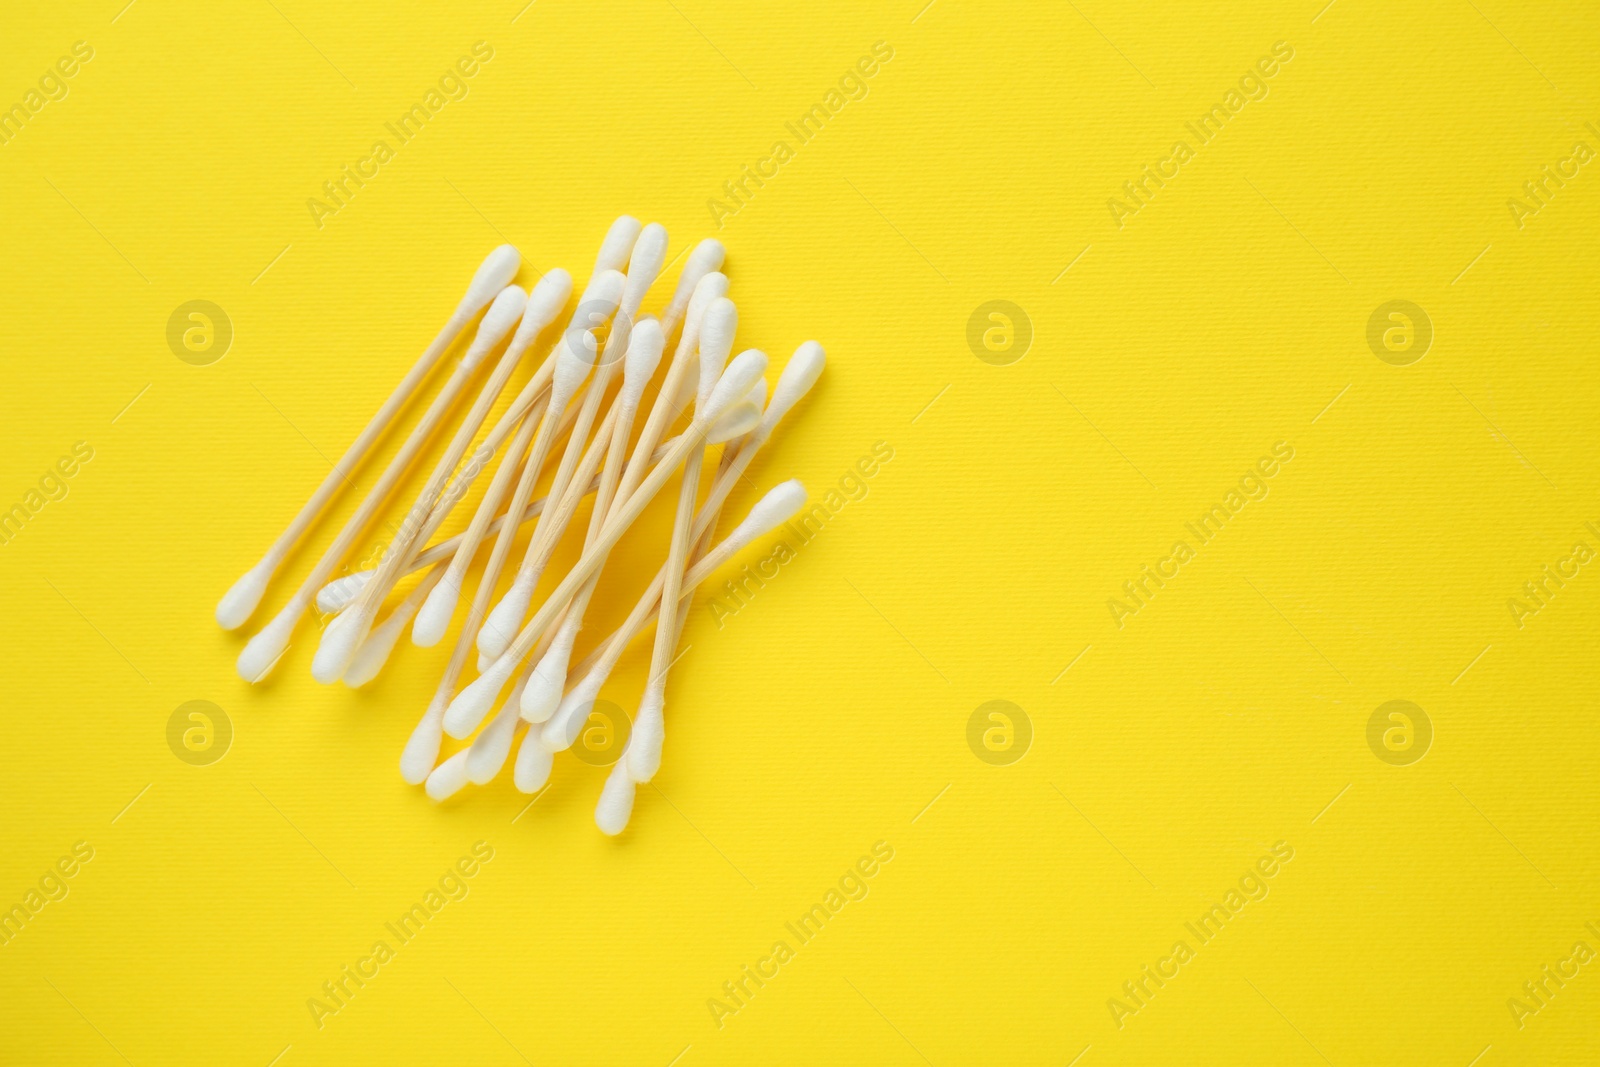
[(506, 616), (712, 333), (374, 651), (509, 613), (572, 369), (344, 634), (644, 747), (263, 651), (423, 747), (492, 276), (649, 255), (777, 507), (644, 355), (426, 738), (337, 594), (799, 375), (482, 761), (473, 702), (599, 302)]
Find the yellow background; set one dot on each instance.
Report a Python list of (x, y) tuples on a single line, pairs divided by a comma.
[(1228, 314)]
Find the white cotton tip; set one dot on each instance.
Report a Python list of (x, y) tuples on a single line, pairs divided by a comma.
[(712, 287), (615, 806), (493, 275), (374, 651), (563, 727), (758, 394), (577, 355), (533, 765), (735, 382), (488, 751), (242, 598), (448, 778), (542, 695), (549, 296), (484, 661), (771, 511), (644, 265), (649, 731), (617, 244), (339, 642), (434, 618), (501, 627), (706, 257), (262, 651), (721, 322), (644, 356), (469, 707), (337, 594), (735, 422), (799, 375), (497, 323), (688, 386), (600, 299), (422, 749)]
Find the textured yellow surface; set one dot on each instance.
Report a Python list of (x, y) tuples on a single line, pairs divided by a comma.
[(1175, 345)]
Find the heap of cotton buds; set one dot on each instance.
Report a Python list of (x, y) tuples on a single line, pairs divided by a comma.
[(718, 401)]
